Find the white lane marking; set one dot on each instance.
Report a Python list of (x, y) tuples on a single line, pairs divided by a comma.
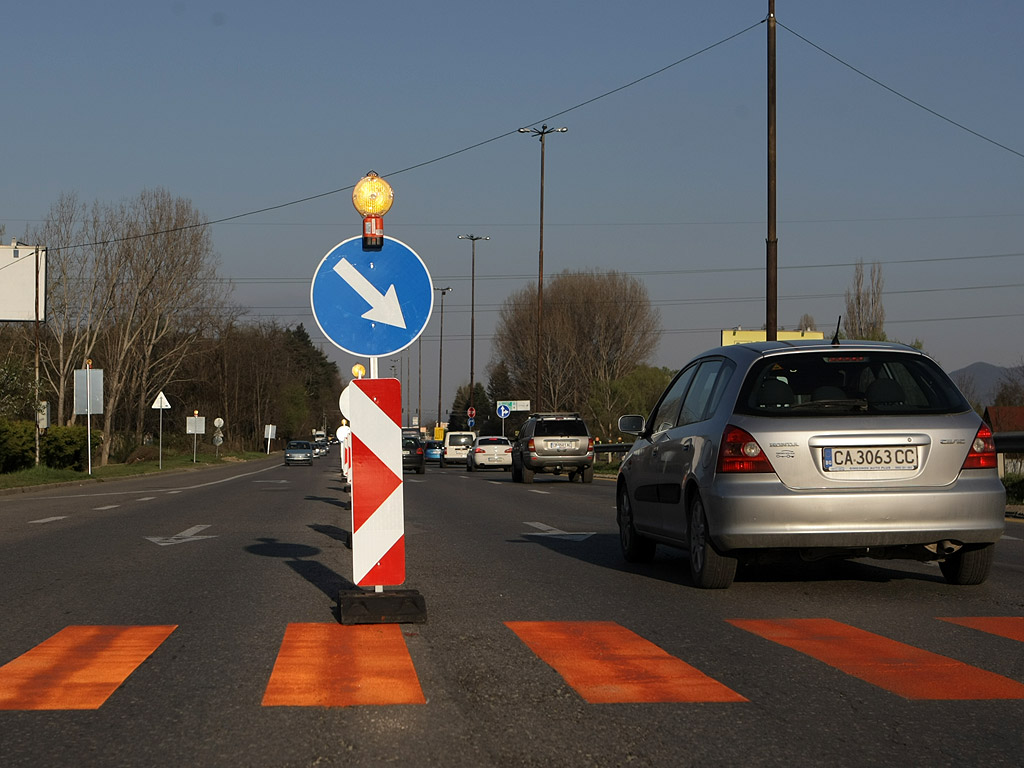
[(159, 490), (555, 533), (189, 534), (273, 482), (1012, 538), (146, 498), (109, 506), (49, 519), (546, 493)]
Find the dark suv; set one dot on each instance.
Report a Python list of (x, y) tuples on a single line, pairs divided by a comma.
[(553, 443)]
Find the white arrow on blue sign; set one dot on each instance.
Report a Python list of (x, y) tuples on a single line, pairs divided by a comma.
[(372, 303), (504, 411)]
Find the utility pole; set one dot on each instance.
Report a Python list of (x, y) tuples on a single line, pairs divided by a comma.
[(771, 322)]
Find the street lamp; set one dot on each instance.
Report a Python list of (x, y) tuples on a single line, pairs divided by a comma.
[(472, 310), (440, 353), (540, 133)]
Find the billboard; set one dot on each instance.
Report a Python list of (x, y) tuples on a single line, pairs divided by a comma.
[(739, 336), (19, 266)]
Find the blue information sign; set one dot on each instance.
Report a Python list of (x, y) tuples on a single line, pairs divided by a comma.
[(503, 411), (372, 303)]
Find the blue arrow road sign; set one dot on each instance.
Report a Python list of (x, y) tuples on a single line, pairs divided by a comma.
[(504, 411), (372, 303)]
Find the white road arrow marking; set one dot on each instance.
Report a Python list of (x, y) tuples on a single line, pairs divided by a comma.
[(547, 530), (188, 534), (384, 308)]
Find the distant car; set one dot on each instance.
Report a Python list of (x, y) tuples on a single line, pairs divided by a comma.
[(455, 447), (298, 452), (553, 443), (488, 452), (852, 449), (433, 450), (413, 456)]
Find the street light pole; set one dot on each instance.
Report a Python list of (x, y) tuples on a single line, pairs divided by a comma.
[(440, 354), (472, 311), (540, 133)]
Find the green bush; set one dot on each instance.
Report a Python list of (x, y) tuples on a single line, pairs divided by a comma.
[(17, 445), (64, 447), (1014, 489)]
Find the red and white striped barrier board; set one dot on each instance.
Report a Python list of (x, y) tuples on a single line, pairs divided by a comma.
[(378, 504)]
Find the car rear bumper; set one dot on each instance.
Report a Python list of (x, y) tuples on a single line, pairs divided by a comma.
[(756, 512), (539, 463)]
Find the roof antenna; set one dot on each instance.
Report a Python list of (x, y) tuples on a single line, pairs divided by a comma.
[(835, 337)]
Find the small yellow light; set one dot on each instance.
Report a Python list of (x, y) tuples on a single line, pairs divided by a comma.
[(372, 196), (358, 371)]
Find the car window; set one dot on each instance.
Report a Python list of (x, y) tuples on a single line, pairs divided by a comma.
[(560, 428), (410, 443), (666, 412), (492, 441), (849, 384), (299, 444), (460, 439), (708, 382)]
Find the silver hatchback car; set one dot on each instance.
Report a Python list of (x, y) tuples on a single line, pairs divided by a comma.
[(861, 449)]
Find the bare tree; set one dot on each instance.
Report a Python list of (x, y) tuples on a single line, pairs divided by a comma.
[(865, 314), (598, 327)]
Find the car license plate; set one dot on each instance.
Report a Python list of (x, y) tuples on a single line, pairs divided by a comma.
[(885, 458), (561, 445)]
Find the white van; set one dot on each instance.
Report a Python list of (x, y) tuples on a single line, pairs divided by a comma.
[(456, 446)]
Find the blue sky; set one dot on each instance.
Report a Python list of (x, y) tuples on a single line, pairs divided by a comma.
[(240, 106)]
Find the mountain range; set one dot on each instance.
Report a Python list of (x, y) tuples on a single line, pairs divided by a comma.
[(982, 378)]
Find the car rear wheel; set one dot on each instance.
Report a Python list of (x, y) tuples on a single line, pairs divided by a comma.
[(527, 474), (708, 568), (968, 566), (635, 548), (587, 474)]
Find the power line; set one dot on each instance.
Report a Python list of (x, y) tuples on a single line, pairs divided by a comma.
[(906, 98)]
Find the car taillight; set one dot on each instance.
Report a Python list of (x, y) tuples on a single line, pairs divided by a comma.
[(741, 453), (590, 445), (531, 446), (479, 450), (983, 450), (419, 451), (509, 449)]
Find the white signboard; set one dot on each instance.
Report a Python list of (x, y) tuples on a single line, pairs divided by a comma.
[(88, 390), (18, 283), (195, 425)]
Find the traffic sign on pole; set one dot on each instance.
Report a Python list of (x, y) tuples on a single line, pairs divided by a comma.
[(372, 303)]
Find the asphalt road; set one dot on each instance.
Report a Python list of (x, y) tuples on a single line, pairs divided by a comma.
[(201, 594)]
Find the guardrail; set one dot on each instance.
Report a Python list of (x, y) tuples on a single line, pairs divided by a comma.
[(1009, 442)]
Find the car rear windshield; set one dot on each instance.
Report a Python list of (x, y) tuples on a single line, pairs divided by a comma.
[(460, 439), (560, 428), (493, 441), (848, 384)]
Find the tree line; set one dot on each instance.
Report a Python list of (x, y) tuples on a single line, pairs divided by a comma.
[(133, 288)]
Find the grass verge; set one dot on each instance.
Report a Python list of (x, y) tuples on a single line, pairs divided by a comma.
[(42, 475)]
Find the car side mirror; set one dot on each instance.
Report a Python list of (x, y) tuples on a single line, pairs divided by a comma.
[(632, 424)]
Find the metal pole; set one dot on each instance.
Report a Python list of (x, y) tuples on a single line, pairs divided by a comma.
[(472, 313), (540, 133), (440, 356), (37, 356), (771, 322), (419, 395), (540, 278)]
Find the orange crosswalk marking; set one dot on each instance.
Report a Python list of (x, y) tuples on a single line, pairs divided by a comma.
[(1004, 626), (77, 668), (606, 663), (896, 667), (331, 665)]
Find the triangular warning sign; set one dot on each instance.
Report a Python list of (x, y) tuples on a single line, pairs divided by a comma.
[(161, 404)]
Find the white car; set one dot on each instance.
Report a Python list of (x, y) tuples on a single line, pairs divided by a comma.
[(487, 452)]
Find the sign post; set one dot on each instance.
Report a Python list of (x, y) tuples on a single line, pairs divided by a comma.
[(195, 425), (161, 404)]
